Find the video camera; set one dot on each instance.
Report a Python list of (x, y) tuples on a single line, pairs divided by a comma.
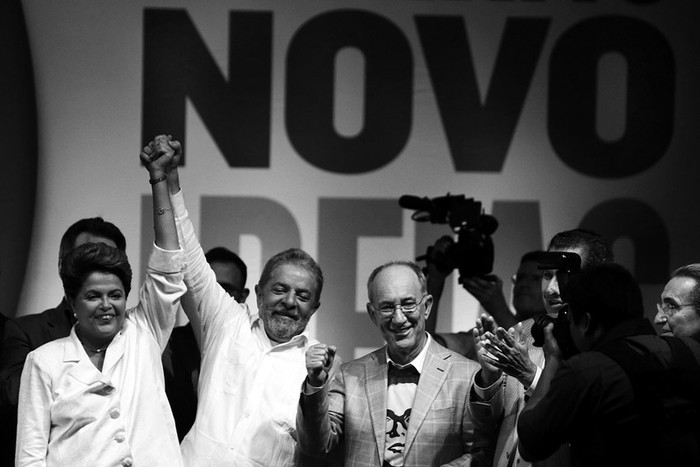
[(565, 264), (472, 253)]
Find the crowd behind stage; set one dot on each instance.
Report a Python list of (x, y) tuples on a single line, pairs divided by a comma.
[(567, 371)]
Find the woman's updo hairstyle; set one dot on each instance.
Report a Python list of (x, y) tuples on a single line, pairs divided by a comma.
[(85, 259)]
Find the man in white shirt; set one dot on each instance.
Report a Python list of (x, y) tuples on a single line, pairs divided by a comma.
[(403, 404), (252, 363)]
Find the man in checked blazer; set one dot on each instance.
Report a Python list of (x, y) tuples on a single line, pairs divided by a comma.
[(405, 404)]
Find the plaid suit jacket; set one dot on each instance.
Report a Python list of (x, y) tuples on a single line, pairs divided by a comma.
[(352, 409)]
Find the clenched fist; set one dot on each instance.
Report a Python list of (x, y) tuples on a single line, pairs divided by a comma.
[(319, 360)]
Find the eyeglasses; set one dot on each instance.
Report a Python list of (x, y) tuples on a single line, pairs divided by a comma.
[(407, 308), (670, 307)]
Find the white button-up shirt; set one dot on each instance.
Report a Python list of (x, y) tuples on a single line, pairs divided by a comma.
[(248, 388), (72, 414)]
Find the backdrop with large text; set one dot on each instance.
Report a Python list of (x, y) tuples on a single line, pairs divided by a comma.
[(303, 123)]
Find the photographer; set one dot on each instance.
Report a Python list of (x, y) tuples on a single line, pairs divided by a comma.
[(627, 390), (527, 297), (471, 254), (510, 363)]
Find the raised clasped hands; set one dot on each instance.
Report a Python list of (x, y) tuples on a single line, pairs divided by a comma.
[(161, 155), (319, 360)]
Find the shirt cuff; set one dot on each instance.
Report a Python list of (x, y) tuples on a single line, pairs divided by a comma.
[(489, 392), (178, 202), (309, 390), (531, 389), (166, 261)]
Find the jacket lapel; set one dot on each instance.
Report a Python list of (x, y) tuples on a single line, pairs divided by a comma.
[(115, 351), (375, 387), (83, 371), (432, 377)]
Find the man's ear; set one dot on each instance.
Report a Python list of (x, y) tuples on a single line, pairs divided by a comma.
[(244, 295), (258, 295), (316, 307), (428, 302), (371, 314)]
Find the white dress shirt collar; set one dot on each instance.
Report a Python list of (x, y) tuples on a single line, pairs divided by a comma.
[(417, 362)]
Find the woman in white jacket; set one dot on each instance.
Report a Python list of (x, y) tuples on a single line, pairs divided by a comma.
[(97, 397)]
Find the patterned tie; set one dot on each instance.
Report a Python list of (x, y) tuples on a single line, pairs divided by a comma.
[(406, 374)]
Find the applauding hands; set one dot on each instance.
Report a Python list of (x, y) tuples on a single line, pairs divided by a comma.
[(501, 350)]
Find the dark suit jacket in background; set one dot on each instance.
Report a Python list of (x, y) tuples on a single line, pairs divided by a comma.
[(3, 320), (7, 430), (21, 336), (181, 362)]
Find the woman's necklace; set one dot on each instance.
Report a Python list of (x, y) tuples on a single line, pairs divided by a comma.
[(90, 349), (100, 350)]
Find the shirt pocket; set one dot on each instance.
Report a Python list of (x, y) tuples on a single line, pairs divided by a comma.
[(239, 364), (441, 417)]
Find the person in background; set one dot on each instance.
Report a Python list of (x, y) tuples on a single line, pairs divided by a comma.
[(97, 397), (231, 272), (678, 313), (527, 301), (182, 358), (629, 397), (403, 404)]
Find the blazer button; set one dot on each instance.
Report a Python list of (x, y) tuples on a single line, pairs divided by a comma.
[(114, 413), (120, 437)]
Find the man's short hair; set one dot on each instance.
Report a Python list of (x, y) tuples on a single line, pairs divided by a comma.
[(224, 255), (594, 247), (87, 258), (608, 292), (691, 271), (409, 264), (298, 257), (92, 225)]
